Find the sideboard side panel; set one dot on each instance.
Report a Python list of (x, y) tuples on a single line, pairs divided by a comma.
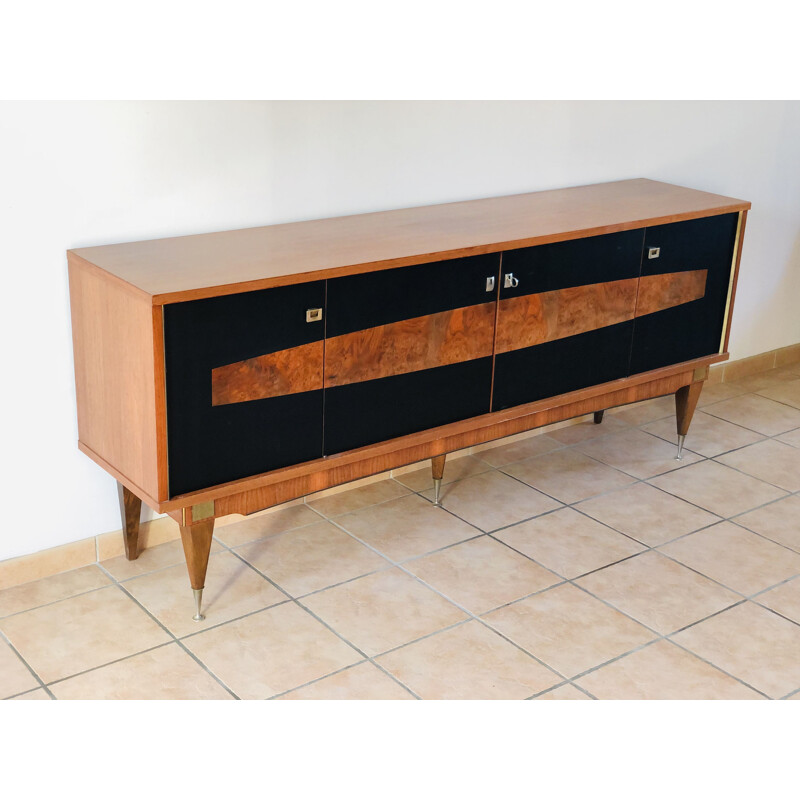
[(115, 385)]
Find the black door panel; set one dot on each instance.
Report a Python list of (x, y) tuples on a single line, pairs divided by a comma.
[(371, 411), (210, 444), (357, 302), (561, 365), (595, 259), (406, 396), (692, 329)]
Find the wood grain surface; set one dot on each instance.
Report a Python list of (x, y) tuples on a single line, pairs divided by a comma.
[(657, 292), (196, 548), (117, 291), (437, 466), (532, 319), (115, 376), (130, 507), (297, 369), (685, 403), (211, 264), (447, 337), (451, 337)]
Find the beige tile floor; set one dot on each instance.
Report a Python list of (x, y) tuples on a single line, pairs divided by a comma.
[(583, 563)]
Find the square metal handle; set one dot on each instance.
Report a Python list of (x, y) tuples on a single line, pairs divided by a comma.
[(654, 252), (313, 315)]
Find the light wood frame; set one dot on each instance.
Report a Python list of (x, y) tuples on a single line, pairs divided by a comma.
[(118, 293)]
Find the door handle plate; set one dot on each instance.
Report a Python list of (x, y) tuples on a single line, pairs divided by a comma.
[(653, 252), (313, 315), (510, 281), (490, 283)]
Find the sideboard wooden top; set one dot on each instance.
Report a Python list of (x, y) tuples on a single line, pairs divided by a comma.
[(211, 264)]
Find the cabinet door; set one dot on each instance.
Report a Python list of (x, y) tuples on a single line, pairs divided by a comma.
[(686, 272), (244, 384), (408, 349), (567, 320)]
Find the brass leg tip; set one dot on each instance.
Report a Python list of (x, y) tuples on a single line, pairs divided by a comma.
[(681, 440), (198, 602), (437, 491)]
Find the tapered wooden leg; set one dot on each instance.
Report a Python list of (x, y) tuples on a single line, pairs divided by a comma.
[(130, 509), (196, 547), (437, 470), (685, 403), (598, 417)]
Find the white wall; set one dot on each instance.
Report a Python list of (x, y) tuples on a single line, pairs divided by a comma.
[(77, 174)]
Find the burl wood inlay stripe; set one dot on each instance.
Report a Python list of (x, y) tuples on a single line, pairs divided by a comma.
[(657, 292), (537, 318), (435, 340), (451, 337), (298, 369)]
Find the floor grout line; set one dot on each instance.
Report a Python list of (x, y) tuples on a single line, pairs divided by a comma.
[(54, 602), (480, 533), (279, 695), (172, 636), (584, 690), (749, 475), (326, 625), (565, 580), (463, 609), (42, 684), (761, 535), (652, 548), (561, 685), (108, 663)]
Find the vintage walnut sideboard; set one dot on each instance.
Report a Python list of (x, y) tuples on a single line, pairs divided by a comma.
[(228, 372)]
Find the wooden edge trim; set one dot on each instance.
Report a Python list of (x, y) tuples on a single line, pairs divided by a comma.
[(423, 258), (80, 262), (434, 434), (162, 466), (199, 512), (123, 479), (734, 281)]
